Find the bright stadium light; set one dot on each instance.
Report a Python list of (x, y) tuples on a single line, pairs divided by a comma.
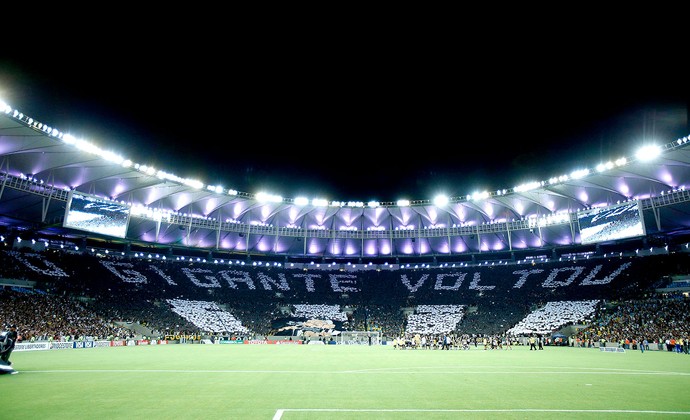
[(647, 153), (440, 200)]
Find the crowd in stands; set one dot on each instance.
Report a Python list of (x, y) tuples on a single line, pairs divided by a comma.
[(657, 319), (463, 302), (43, 317), (386, 319)]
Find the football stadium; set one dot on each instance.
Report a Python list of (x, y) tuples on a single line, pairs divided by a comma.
[(138, 293)]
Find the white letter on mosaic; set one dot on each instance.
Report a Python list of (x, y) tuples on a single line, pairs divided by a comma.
[(126, 275), (266, 281), (523, 276), (339, 280), (606, 280), (241, 277), (52, 270), (212, 281), (163, 275), (416, 286), (475, 283), (459, 277), (308, 280), (551, 280)]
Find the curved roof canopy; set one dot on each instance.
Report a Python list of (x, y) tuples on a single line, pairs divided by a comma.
[(40, 167)]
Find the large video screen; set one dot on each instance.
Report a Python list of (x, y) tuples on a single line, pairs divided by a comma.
[(94, 214), (611, 223)]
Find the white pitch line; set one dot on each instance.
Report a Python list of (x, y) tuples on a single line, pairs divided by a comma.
[(355, 372), (279, 413)]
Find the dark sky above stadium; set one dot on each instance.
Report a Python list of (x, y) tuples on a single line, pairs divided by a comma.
[(354, 125)]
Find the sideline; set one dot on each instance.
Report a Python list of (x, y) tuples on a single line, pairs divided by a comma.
[(279, 413)]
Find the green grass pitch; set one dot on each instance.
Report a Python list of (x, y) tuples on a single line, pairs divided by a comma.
[(344, 382)]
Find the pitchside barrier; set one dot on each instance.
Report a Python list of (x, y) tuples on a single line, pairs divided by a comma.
[(612, 349), (61, 345)]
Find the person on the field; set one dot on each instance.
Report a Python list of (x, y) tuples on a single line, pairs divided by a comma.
[(7, 341)]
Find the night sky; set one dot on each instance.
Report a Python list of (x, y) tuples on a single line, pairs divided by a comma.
[(351, 128)]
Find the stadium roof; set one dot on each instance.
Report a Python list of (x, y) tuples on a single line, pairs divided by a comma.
[(39, 166)]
